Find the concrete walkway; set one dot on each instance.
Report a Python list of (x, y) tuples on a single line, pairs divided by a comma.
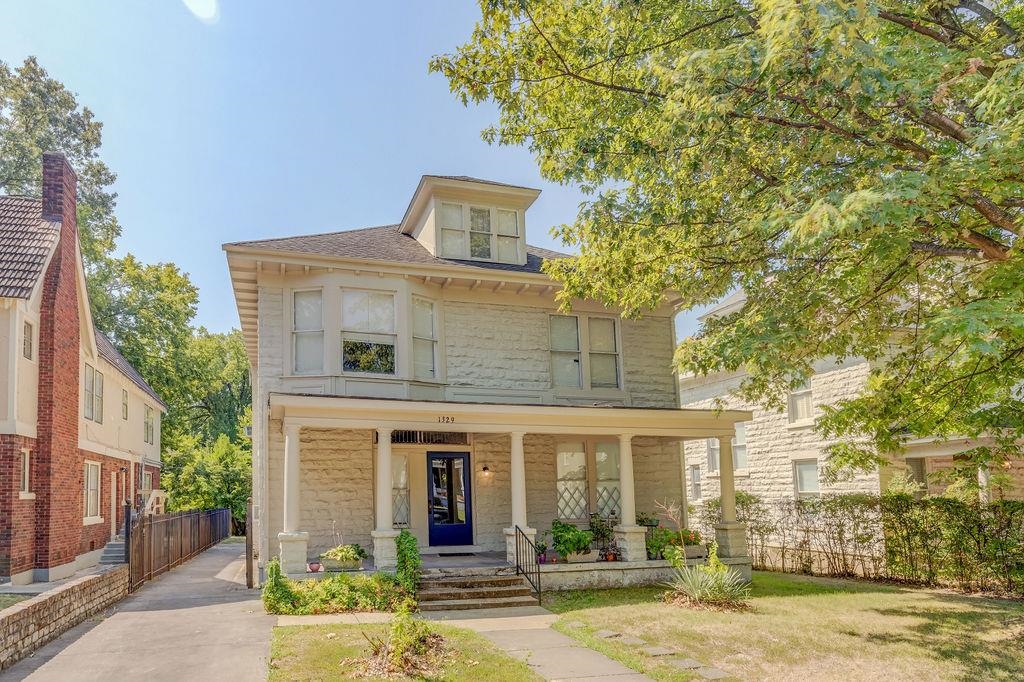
[(196, 622)]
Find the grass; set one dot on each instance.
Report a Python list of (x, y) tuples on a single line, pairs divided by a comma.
[(809, 628), (11, 599), (317, 652)]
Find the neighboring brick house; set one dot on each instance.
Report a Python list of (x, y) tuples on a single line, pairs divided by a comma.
[(778, 454), (79, 427), (422, 376)]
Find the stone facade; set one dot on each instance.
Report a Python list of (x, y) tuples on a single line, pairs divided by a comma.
[(28, 625)]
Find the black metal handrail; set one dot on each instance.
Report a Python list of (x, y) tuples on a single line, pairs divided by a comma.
[(527, 564)]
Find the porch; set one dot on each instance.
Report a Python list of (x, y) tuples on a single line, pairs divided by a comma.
[(463, 476)]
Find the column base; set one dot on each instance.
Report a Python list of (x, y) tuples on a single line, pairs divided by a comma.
[(293, 552), (510, 542), (632, 542), (385, 554), (732, 547)]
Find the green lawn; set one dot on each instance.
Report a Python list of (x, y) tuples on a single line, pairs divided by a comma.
[(9, 599), (317, 652), (810, 628)]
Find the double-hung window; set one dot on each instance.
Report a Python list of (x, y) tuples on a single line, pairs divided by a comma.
[(805, 477), (480, 233), (308, 332), (26, 460), (492, 234), (801, 405), (588, 480), (91, 492), (739, 447), (27, 341), (608, 491), (93, 407), (453, 231), (424, 339), (400, 490), (124, 404), (368, 332), (148, 427), (599, 345), (695, 489), (713, 455), (147, 481)]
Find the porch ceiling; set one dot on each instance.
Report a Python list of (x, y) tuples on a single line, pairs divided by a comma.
[(381, 413)]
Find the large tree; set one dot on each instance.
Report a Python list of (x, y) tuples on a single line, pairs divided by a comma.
[(854, 167)]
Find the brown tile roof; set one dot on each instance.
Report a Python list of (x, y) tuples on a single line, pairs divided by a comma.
[(25, 244), (387, 243), (106, 349)]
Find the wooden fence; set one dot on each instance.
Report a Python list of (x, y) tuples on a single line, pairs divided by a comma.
[(156, 543)]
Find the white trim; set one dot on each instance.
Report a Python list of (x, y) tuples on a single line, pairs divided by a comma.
[(92, 520), (26, 496)]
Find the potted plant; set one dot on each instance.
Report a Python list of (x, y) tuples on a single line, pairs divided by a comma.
[(601, 529), (572, 543), (657, 540), (542, 552), (313, 566), (343, 558), (645, 519), (612, 552), (693, 546)]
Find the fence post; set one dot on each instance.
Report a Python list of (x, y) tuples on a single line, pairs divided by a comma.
[(127, 532), (248, 544)]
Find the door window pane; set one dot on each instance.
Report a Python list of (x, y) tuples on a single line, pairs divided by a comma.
[(609, 495), (571, 485), (448, 493)]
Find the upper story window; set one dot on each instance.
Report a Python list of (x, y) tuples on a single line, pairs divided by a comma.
[(308, 332), (27, 341), (368, 332), (479, 232), (148, 425), (93, 394), (695, 488), (124, 404), (424, 339), (713, 455), (598, 344), (801, 406)]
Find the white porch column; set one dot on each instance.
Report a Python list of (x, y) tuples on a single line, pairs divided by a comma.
[(384, 553), (517, 473), (630, 537), (730, 535), (293, 542)]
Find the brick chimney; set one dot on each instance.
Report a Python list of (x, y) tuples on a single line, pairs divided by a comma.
[(58, 474)]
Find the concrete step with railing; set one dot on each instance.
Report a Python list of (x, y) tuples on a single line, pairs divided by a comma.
[(475, 590)]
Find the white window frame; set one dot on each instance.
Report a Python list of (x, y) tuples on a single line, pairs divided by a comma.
[(124, 404), (585, 352), (147, 480), (740, 445), (93, 407), (796, 478), (28, 341), (356, 335), (795, 397), (714, 456), (25, 482), (696, 491), (318, 332), (432, 339), (95, 517), (466, 231), (148, 426), (590, 448), (400, 465)]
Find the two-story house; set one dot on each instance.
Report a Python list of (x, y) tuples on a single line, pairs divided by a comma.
[(779, 454), (421, 375), (79, 427)]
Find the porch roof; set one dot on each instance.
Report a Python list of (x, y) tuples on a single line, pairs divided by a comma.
[(333, 411)]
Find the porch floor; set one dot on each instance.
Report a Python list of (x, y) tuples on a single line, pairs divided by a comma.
[(475, 560)]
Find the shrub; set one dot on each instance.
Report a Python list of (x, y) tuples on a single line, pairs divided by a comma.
[(657, 540), (345, 553), (331, 594), (410, 648), (408, 561), (601, 530), (567, 539), (713, 585)]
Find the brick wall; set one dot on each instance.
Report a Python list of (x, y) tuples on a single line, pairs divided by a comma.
[(17, 516), (30, 624), (58, 473)]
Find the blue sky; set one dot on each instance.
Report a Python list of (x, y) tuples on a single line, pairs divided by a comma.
[(272, 119)]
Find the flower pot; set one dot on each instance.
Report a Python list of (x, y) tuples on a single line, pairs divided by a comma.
[(542, 558), (695, 551), (609, 556), (581, 558), (336, 565), (314, 567)]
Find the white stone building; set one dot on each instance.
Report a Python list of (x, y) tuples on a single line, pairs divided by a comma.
[(421, 376), (778, 454)]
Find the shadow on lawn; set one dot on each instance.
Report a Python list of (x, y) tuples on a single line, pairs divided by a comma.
[(982, 635)]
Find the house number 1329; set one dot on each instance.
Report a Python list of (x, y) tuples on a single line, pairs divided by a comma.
[(444, 419)]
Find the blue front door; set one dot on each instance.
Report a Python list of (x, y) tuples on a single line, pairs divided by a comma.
[(451, 514)]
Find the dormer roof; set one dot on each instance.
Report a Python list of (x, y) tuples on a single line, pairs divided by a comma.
[(521, 197)]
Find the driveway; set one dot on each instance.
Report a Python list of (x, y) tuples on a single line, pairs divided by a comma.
[(196, 622)]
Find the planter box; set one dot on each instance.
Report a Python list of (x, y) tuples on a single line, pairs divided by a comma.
[(695, 551), (335, 565), (579, 558)]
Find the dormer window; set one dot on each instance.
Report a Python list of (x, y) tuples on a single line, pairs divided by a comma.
[(482, 232)]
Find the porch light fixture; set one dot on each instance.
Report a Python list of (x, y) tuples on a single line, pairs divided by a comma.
[(486, 471)]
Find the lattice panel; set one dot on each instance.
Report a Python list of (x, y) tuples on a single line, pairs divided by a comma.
[(572, 500), (609, 501), (400, 506)]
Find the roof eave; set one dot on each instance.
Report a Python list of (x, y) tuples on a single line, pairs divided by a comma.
[(428, 183)]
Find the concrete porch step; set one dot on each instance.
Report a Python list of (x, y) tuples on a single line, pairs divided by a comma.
[(113, 553), (465, 571), (487, 603), (469, 581), (438, 594)]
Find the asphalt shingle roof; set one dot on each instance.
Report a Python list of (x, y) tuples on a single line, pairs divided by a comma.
[(106, 349), (25, 243), (387, 243)]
